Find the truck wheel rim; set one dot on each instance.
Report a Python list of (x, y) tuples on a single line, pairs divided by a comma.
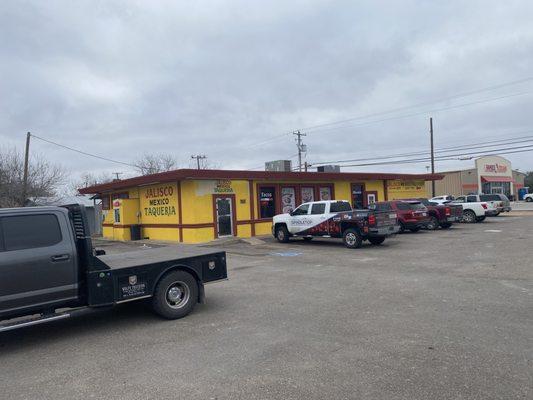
[(178, 294), (351, 238), (281, 234)]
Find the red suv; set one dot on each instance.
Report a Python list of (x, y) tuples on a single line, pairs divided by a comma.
[(412, 214)]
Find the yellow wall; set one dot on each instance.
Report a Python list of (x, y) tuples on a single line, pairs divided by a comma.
[(406, 189), (158, 205)]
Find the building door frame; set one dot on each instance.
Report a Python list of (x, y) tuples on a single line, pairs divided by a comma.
[(233, 210)]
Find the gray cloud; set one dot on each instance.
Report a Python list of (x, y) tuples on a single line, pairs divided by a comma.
[(122, 78)]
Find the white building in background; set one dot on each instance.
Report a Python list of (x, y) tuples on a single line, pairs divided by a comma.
[(492, 174)]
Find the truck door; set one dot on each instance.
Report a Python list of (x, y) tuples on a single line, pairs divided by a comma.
[(38, 264), (320, 219), (299, 220)]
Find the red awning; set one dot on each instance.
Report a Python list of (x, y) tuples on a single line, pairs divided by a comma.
[(497, 179)]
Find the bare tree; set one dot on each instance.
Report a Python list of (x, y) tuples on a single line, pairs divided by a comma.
[(44, 178), (87, 179), (154, 163)]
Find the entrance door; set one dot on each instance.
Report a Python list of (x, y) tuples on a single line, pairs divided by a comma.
[(358, 199), (224, 214)]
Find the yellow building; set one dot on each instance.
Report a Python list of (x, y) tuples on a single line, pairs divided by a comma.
[(195, 206)]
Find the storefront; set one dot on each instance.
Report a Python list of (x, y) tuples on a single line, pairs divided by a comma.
[(492, 174), (200, 205)]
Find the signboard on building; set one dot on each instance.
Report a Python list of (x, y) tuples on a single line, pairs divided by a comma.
[(493, 166), (159, 203)]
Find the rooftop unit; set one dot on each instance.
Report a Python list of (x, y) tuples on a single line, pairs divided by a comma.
[(329, 168), (279, 165)]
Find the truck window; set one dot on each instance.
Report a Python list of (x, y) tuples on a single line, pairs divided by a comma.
[(382, 207), (318, 208), (489, 197), (471, 199), (302, 210), (30, 231), (339, 206), (403, 206)]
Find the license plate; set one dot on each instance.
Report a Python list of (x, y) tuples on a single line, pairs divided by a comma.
[(393, 216), (424, 214)]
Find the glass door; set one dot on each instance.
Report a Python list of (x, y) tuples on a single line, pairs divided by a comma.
[(224, 215)]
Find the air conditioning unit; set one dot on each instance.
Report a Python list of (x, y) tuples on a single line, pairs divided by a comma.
[(279, 165), (329, 168)]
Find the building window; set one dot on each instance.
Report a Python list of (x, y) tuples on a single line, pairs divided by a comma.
[(288, 199), (308, 194), (106, 203), (267, 202), (325, 192)]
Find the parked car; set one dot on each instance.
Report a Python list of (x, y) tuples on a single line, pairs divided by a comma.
[(49, 270), (528, 197), (442, 199), (441, 215), (335, 218), (412, 214), (499, 198), (495, 205), (473, 211)]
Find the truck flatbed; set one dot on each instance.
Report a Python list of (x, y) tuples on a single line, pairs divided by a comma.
[(142, 257)]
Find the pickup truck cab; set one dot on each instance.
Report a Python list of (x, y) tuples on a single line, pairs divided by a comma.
[(494, 205), (442, 199), (443, 215), (528, 197), (47, 263), (335, 218), (412, 214)]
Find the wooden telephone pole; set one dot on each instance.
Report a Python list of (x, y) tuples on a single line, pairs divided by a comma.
[(26, 167), (432, 157)]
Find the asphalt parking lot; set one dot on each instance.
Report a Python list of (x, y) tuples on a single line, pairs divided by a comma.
[(432, 315)]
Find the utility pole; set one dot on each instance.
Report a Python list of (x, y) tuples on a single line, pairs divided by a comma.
[(302, 148), (118, 175), (26, 167), (199, 157), (432, 157)]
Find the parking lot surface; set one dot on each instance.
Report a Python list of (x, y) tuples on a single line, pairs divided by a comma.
[(432, 315)]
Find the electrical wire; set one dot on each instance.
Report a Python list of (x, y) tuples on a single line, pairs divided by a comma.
[(523, 139), (82, 152)]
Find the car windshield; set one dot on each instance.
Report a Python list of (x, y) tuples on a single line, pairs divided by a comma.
[(340, 206), (489, 197)]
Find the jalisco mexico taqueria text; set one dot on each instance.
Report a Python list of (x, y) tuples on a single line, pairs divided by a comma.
[(195, 206)]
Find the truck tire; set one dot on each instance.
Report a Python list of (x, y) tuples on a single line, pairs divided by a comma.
[(352, 238), (414, 230), (376, 240), (282, 234), (175, 295), (469, 216), (446, 225), (402, 228), (480, 219), (433, 223), (529, 199)]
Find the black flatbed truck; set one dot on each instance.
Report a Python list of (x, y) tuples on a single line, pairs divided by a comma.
[(49, 270)]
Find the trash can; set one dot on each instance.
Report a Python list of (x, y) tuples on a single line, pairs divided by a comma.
[(135, 232)]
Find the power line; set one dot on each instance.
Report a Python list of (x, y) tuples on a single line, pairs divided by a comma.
[(449, 157), (466, 94), (517, 140), (82, 152), (435, 110)]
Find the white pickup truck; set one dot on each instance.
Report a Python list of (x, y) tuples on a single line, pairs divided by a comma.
[(473, 210), (335, 218)]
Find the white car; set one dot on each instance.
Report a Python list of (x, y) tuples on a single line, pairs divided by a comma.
[(528, 197), (442, 199), (474, 211), (495, 207)]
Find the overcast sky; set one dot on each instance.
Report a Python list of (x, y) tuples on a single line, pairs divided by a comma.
[(230, 79)]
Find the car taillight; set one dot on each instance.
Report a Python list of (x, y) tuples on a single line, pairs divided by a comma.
[(484, 205), (371, 219), (448, 211)]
